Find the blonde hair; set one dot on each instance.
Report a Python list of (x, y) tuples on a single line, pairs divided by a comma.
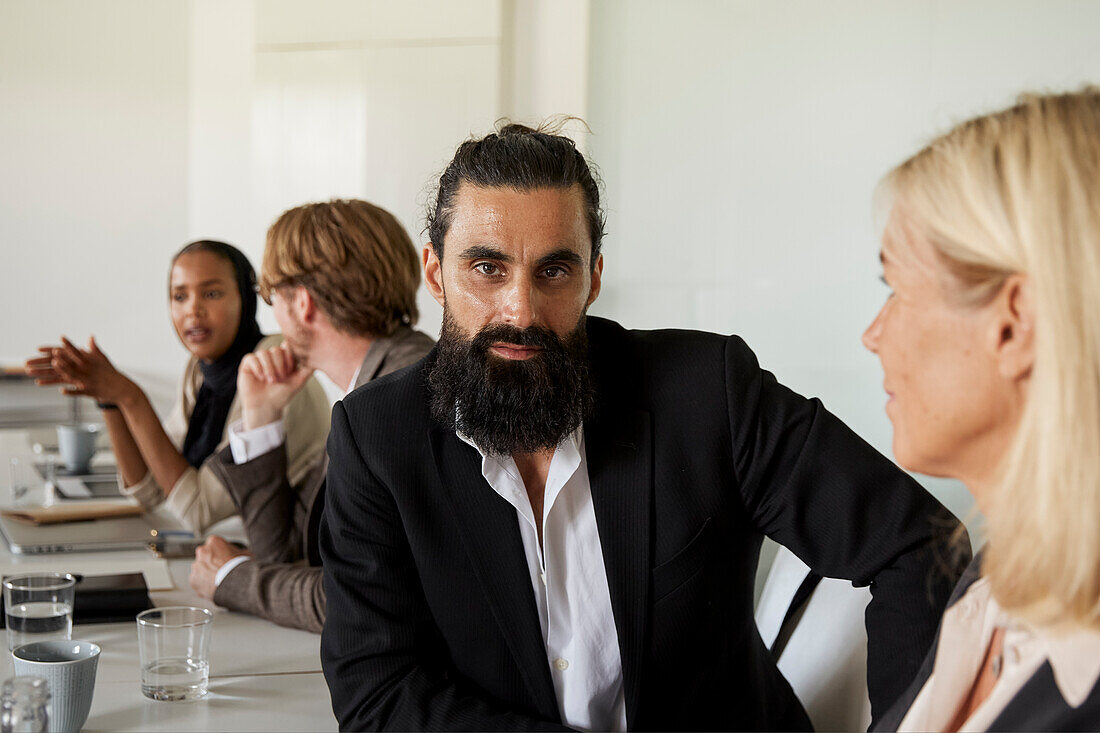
[(1018, 191), (354, 258)]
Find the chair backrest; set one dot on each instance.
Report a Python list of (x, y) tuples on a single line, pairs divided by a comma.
[(821, 644)]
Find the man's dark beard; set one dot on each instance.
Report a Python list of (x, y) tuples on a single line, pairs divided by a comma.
[(511, 406)]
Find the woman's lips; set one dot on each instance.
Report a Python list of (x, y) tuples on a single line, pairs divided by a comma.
[(514, 351), (197, 335)]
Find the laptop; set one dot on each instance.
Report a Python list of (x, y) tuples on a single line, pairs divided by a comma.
[(118, 533)]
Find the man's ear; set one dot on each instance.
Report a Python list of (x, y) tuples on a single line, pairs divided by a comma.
[(433, 273), (305, 306), (1012, 329), (597, 281)]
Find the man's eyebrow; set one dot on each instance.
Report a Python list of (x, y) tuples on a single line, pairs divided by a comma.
[(484, 251), (562, 255)]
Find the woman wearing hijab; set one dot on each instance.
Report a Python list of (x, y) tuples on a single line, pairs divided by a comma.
[(990, 345), (212, 294)]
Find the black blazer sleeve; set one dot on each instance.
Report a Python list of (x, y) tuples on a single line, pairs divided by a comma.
[(815, 487), (384, 661)]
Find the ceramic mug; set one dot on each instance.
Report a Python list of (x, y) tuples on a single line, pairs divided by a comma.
[(76, 443), (69, 667)]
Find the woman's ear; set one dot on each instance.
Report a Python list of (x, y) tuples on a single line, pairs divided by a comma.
[(1013, 328)]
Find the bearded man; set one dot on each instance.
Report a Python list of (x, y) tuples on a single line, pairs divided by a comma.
[(342, 278), (555, 522)]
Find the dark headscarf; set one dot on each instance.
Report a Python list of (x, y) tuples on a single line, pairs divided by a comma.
[(219, 377)]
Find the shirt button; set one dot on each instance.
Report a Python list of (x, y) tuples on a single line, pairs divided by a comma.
[(561, 664)]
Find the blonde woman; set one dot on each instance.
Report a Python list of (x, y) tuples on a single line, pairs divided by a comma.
[(990, 344)]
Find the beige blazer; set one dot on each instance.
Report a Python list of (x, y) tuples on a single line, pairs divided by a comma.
[(199, 498), (283, 581)]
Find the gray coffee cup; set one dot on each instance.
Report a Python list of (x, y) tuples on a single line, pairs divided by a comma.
[(69, 668), (76, 444)]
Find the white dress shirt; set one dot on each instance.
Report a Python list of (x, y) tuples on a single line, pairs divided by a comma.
[(570, 585)]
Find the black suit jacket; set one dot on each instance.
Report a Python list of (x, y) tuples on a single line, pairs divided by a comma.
[(693, 454), (1038, 705)]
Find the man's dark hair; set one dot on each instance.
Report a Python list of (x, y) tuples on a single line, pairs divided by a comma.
[(523, 159)]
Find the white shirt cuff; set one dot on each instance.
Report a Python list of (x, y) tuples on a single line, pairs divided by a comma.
[(247, 445), (225, 569)]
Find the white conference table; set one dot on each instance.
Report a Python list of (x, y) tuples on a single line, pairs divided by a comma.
[(263, 677)]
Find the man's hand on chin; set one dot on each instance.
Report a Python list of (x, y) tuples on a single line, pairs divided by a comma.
[(209, 557)]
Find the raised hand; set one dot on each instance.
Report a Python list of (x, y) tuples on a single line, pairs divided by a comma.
[(266, 382), (41, 367), (83, 371)]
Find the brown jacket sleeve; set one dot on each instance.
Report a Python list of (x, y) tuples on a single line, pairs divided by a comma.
[(289, 595), (274, 514)]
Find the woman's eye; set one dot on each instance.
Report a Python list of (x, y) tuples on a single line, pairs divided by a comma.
[(883, 281), (486, 268), (178, 297), (214, 293)]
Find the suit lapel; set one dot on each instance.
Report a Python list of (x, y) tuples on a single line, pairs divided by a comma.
[(620, 453), (372, 362), (491, 533)]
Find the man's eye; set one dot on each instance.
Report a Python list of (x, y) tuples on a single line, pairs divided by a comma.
[(554, 272), (178, 297), (486, 268), (214, 293)]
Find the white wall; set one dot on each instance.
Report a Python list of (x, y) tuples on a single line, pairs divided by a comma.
[(93, 175), (740, 143), (545, 69), (131, 127)]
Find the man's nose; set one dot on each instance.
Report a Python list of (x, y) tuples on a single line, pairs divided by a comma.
[(518, 308)]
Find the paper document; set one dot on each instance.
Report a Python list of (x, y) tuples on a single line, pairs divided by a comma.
[(75, 511)]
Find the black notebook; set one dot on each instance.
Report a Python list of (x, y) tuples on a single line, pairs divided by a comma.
[(104, 599)]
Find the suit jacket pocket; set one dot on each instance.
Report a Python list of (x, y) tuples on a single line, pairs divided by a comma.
[(683, 566)]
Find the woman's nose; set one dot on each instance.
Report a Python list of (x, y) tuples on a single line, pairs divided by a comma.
[(871, 335)]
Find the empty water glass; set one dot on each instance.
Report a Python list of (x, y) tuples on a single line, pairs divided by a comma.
[(38, 607), (22, 479), (174, 644)]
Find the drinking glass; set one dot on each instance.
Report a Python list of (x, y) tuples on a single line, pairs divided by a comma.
[(22, 479), (174, 643), (38, 607)]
